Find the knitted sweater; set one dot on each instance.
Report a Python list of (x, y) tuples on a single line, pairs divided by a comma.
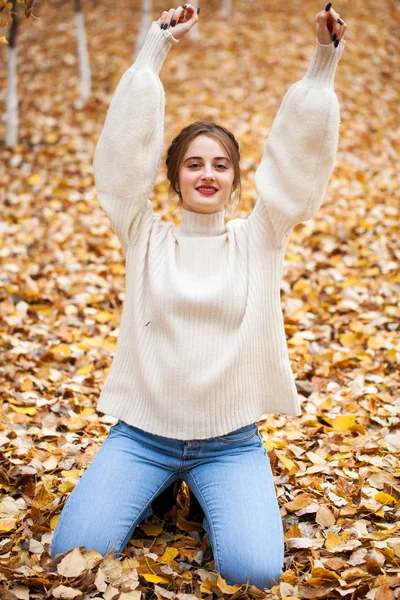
[(201, 349)]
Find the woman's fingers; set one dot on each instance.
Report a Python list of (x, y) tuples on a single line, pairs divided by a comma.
[(338, 25), (166, 18), (330, 27), (177, 15), (181, 14), (189, 11)]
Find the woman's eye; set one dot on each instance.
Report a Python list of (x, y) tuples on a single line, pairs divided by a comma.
[(197, 165)]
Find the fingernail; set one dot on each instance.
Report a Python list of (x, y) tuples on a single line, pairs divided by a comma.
[(173, 23), (198, 10), (334, 37), (165, 25), (161, 26), (328, 6), (340, 21), (337, 43)]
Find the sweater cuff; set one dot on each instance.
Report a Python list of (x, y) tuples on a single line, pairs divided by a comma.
[(322, 68), (155, 48)]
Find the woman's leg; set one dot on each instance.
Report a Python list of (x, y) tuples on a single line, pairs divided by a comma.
[(234, 485), (114, 494)]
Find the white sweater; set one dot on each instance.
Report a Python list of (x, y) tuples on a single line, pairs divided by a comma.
[(201, 349)]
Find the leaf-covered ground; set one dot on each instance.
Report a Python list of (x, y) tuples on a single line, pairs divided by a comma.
[(337, 466)]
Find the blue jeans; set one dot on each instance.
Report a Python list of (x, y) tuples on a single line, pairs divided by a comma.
[(230, 476)]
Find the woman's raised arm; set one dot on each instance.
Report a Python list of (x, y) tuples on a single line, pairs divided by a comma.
[(300, 151), (129, 149)]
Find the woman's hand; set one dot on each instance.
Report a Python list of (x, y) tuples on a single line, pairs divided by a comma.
[(185, 17), (330, 27)]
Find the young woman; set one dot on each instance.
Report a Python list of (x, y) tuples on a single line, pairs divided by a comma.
[(201, 353)]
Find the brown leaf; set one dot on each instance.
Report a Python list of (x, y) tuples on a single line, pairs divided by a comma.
[(384, 593)]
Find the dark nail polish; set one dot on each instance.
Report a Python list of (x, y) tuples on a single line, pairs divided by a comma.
[(173, 23), (334, 37), (328, 6), (165, 25), (198, 10), (340, 21), (337, 43)]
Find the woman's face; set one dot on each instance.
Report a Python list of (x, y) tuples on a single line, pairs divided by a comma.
[(205, 163)]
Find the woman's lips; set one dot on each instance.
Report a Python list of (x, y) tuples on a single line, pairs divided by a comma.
[(207, 192)]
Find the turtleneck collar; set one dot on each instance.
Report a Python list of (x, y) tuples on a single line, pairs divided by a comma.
[(202, 225)]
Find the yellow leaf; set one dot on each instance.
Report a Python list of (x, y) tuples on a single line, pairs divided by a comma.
[(43, 497), (332, 541), (297, 341), (116, 268), (65, 486), (75, 473), (104, 316), (88, 410), (34, 179), (151, 529), (154, 578), (293, 257), (3, 40), (24, 410), (7, 524), (52, 137), (385, 498), (169, 555), (76, 423), (391, 355), (62, 349), (349, 339), (287, 463), (225, 587), (343, 423), (27, 385), (324, 574), (84, 370), (298, 503), (54, 521), (270, 444), (375, 343), (128, 564)]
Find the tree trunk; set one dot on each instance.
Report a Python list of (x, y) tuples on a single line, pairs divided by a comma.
[(84, 65), (145, 23), (12, 92)]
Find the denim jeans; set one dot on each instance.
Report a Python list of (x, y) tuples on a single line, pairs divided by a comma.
[(230, 476)]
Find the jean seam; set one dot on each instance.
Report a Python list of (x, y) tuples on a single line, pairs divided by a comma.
[(262, 443), (253, 434), (209, 519), (156, 493)]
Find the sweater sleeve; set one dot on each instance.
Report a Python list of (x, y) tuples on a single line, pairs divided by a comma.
[(300, 151), (129, 149)]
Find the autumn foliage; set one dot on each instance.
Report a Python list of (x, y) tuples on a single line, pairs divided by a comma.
[(336, 467)]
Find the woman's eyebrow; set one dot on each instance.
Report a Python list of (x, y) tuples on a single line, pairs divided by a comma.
[(201, 158)]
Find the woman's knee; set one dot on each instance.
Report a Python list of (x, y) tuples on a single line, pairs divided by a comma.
[(264, 575), (264, 579), (64, 541)]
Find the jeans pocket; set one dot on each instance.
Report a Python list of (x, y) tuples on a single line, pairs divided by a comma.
[(244, 434)]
